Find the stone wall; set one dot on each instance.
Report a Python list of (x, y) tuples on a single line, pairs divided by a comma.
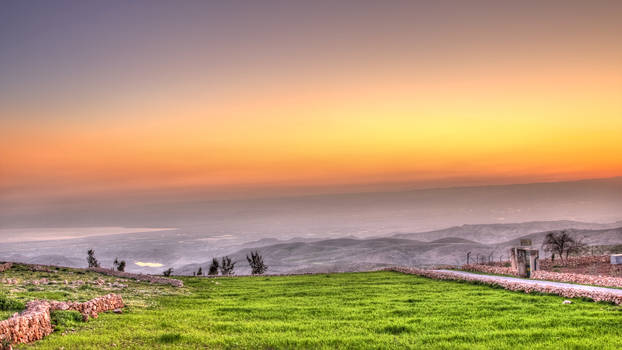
[(568, 292), (5, 266), (138, 276), (498, 270), (575, 261), (91, 308), (34, 323), (43, 268), (605, 281)]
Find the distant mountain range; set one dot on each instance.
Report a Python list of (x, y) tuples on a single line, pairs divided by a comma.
[(314, 233), (349, 254), (495, 233), (296, 255)]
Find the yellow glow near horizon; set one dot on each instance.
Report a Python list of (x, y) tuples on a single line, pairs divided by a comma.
[(480, 110), (386, 132)]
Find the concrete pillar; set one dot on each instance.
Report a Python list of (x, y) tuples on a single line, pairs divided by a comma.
[(521, 260), (533, 260)]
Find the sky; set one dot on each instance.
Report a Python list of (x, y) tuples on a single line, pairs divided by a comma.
[(249, 96)]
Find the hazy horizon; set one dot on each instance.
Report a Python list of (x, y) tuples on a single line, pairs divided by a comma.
[(359, 228), (187, 208)]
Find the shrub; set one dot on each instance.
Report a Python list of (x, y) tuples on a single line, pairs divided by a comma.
[(213, 268), (256, 263), (90, 258), (63, 319), (7, 304), (118, 265), (226, 266)]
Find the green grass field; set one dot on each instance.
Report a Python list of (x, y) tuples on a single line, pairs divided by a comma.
[(353, 310)]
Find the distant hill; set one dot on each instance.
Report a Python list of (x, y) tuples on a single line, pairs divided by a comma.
[(350, 254), (589, 237), (207, 228), (47, 259), (453, 240), (497, 233)]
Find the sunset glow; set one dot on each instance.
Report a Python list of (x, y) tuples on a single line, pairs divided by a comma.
[(279, 101)]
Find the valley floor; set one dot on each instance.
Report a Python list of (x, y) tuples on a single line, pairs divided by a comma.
[(349, 310)]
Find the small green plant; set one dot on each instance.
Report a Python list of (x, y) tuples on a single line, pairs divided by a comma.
[(169, 338), (7, 304), (395, 329), (65, 319)]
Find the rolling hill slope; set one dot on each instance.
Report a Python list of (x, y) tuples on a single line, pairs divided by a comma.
[(349, 254), (497, 233)]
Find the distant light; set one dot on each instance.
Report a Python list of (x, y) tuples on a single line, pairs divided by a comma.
[(148, 264)]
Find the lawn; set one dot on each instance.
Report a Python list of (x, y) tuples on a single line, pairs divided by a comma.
[(352, 310)]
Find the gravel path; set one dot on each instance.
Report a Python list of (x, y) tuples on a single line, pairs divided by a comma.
[(536, 282)]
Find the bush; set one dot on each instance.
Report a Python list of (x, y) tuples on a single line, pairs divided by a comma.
[(119, 265), (7, 304), (213, 268), (226, 266), (64, 319), (256, 263), (90, 258)]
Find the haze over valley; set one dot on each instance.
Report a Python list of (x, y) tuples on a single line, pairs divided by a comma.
[(321, 233)]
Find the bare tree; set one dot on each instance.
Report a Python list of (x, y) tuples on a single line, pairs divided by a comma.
[(256, 263), (561, 243), (168, 272), (200, 271), (90, 258)]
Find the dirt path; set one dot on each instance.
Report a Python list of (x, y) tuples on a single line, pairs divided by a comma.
[(536, 282)]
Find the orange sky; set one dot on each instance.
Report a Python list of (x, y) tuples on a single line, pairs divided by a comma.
[(532, 106)]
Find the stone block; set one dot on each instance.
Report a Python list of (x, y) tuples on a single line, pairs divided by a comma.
[(616, 259)]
